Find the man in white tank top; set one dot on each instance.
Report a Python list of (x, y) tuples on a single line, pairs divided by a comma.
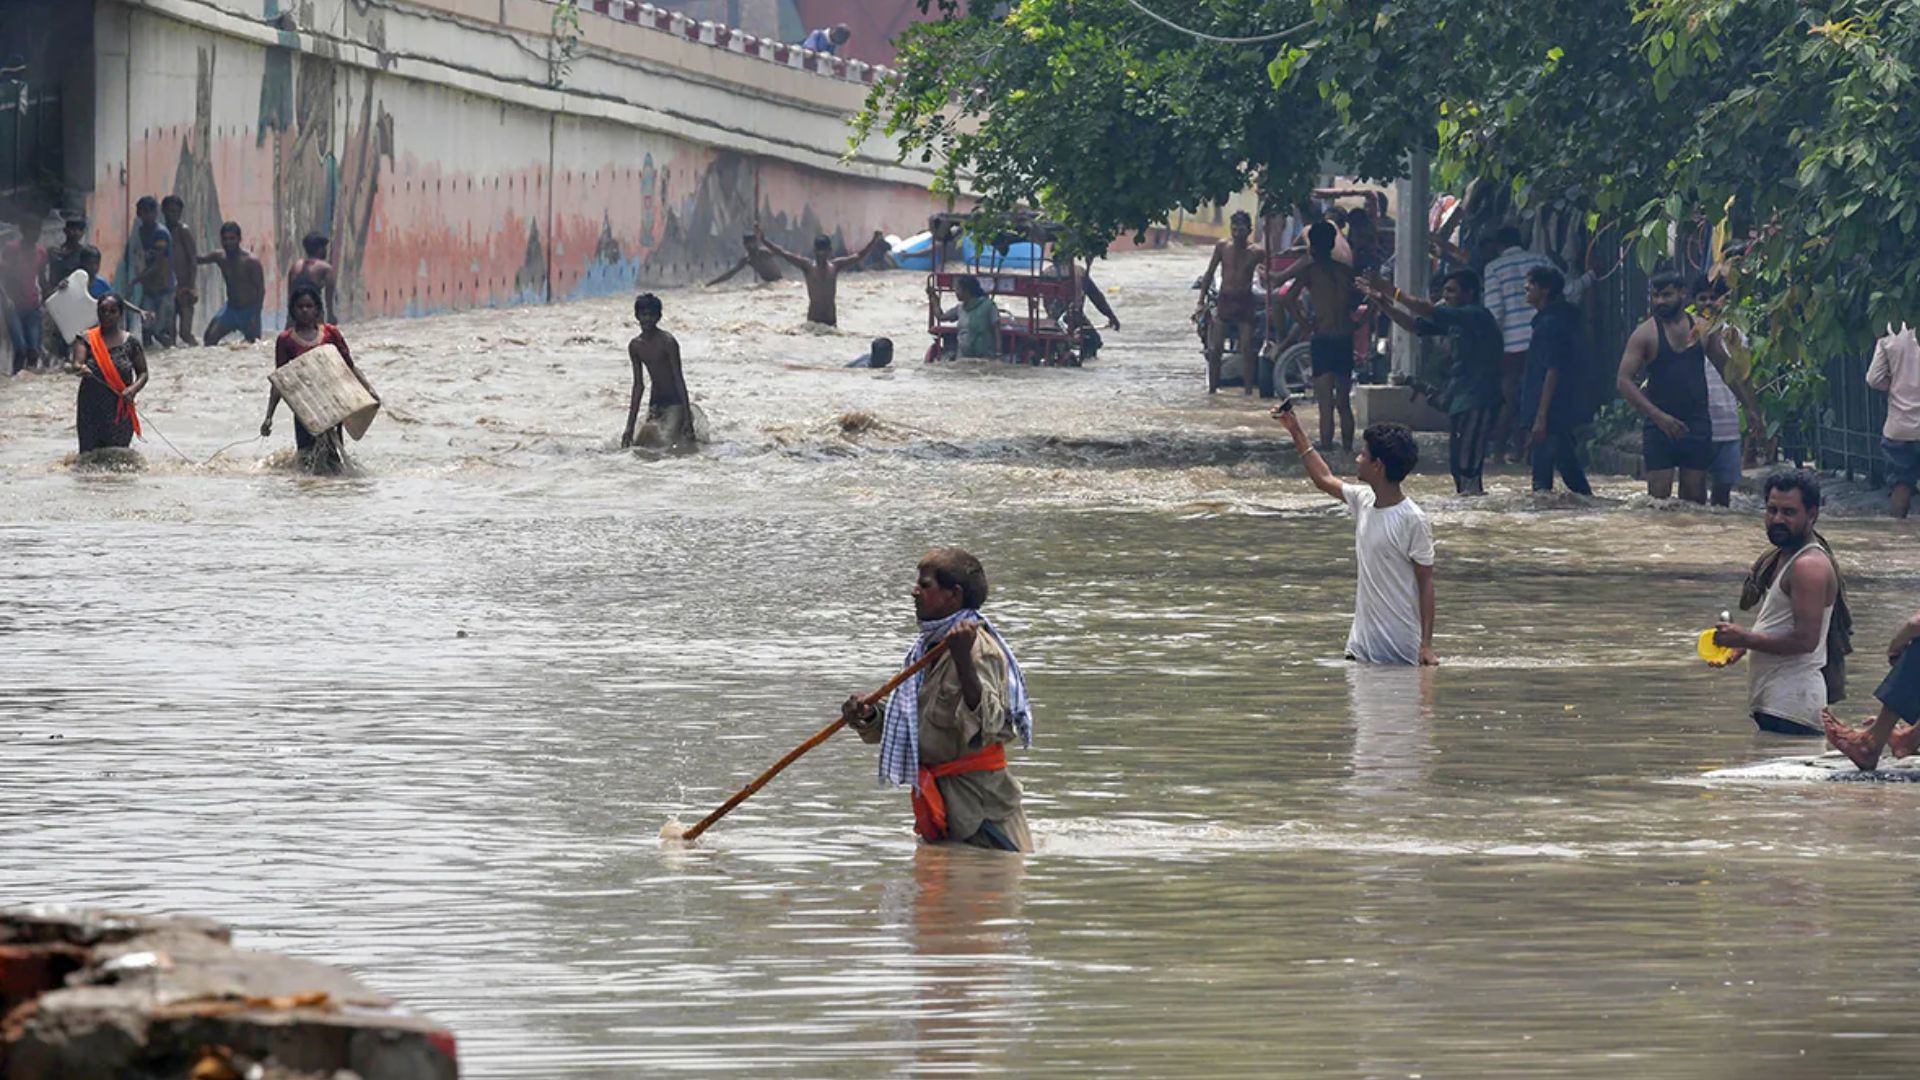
[(1788, 640)]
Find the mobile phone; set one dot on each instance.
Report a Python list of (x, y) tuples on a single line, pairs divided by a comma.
[(1286, 403)]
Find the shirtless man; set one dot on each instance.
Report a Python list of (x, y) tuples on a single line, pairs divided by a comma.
[(1237, 260), (315, 271), (185, 253), (757, 257), (1329, 286), (1088, 293), (656, 353), (1070, 312), (246, 289), (822, 272)]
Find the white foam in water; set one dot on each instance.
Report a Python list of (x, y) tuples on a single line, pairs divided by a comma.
[(1804, 769)]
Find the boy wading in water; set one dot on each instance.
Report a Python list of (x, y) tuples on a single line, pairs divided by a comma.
[(945, 731), (656, 353), (1393, 606)]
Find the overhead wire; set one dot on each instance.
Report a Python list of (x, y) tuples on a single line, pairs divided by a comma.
[(1217, 39)]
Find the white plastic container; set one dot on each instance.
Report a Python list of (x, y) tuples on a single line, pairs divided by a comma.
[(74, 310)]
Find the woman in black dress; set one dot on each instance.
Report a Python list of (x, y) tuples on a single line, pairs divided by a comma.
[(113, 371)]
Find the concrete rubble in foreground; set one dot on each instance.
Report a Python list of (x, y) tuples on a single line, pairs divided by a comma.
[(87, 993)]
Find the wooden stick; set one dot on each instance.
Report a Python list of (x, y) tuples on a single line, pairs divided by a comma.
[(819, 737)]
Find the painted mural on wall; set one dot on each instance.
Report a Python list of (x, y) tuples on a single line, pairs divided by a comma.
[(435, 199)]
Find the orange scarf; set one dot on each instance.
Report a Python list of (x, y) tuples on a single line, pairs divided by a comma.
[(929, 809), (110, 374)]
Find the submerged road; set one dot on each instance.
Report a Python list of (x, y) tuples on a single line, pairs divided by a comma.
[(427, 720)]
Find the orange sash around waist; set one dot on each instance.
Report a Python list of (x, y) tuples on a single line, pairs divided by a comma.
[(110, 374), (929, 809)]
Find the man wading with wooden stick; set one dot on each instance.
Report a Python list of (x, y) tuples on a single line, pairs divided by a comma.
[(945, 731)]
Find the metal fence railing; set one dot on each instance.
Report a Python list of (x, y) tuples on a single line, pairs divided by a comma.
[(31, 141), (1847, 436)]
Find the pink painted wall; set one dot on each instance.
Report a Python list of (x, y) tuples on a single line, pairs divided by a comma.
[(436, 199)]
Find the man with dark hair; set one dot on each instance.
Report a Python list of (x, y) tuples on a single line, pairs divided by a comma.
[(315, 272), (1474, 378), (1393, 605), (1899, 695), (147, 227), (97, 286), (757, 257), (1788, 639), (654, 352), (976, 319), (1678, 435), (185, 253), (1237, 259), (1329, 285), (155, 289), (1363, 240), (62, 261), (1505, 297), (822, 272), (1554, 398), (946, 730), (1070, 312), (246, 282), (65, 259), (823, 40)]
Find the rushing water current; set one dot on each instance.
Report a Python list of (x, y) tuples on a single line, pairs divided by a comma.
[(427, 720)]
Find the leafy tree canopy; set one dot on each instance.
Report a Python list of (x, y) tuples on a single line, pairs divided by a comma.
[(1796, 118), (1094, 114)]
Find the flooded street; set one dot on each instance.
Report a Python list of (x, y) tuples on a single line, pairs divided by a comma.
[(427, 721)]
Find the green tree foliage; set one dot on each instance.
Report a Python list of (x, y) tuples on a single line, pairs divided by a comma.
[(1096, 115), (1553, 97), (1798, 119), (1813, 138)]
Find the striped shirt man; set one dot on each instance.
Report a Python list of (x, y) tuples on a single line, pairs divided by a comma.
[(1506, 294)]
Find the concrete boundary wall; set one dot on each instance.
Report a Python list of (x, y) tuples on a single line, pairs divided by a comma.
[(427, 140)]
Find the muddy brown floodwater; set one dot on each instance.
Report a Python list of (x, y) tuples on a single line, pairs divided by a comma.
[(232, 690)]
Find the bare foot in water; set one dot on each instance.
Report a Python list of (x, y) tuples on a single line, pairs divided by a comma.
[(1852, 742), (1904, 741)]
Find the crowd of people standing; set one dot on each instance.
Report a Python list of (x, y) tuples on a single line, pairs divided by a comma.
[(156, 309)]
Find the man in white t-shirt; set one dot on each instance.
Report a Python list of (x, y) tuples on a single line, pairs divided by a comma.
[(1393, 605)]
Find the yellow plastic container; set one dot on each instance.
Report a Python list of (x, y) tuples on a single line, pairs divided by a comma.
[(1710, 652)]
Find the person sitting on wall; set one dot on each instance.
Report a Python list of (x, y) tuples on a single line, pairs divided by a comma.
[(828, 41)]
